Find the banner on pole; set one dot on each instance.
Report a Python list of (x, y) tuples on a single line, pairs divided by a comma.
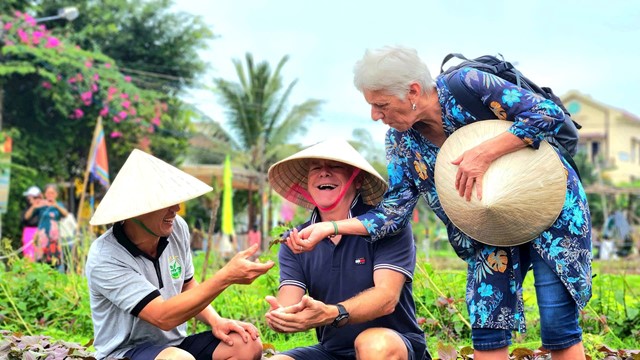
[(5, 170), (227, 198), (99, 160)]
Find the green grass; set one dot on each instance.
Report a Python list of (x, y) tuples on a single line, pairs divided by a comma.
[(37, 300)]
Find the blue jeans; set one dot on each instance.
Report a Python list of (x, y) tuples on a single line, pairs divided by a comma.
[(559, 328)]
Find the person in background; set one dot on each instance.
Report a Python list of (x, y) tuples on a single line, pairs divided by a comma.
[(30, 224), (49, 211), (421, 114), (254, 237), (359, 293), (140, 273)]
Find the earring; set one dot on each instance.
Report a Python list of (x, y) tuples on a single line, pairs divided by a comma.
[(413, 106)]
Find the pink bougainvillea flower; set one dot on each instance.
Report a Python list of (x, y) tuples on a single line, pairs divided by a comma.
[(136, 97), (116, 119), (155, 121), (88, 64), (52, 42), (46, 85), (8, 26), (133, 111), (110, 92), (123, 115), (94, 87), (107, 65), (29, 20), (126, 104), (86, 97), (116, 134), (145, 142), (24, 37), (104, 111), (37, 35), (124, 95), (127, 78), (78, 113), (96, 77)]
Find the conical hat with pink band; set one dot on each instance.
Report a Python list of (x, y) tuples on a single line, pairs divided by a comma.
[(288, 177)]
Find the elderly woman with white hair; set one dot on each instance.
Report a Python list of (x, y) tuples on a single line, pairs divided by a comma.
[(422, 113)]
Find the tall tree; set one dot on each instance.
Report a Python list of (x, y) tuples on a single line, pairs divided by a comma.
[(53, 93), (154, 44), (8, 6), (258, 115)]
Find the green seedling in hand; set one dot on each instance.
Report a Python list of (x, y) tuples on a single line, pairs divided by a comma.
[(279, 234)]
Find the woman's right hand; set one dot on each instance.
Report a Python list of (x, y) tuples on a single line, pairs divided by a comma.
[(308, 238)]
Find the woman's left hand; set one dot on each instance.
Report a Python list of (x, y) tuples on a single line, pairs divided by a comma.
[(472, 165)]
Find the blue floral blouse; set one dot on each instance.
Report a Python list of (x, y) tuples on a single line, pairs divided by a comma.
[(494, 280)]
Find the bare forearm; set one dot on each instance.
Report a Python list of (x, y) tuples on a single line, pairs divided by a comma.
[(369, 305), (62, 210), (192, 302), (29, 213), (208, 316), (351, 226), (502, 144)]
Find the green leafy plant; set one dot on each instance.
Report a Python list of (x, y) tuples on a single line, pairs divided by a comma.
[(279, 234), (36, 300)]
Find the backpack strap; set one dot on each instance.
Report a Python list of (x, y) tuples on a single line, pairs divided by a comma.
[(565, 154), (451, 56)]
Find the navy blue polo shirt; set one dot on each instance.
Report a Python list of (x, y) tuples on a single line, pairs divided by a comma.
[(334, 273)]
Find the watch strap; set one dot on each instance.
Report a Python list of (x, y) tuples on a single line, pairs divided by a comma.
[(343, 315)]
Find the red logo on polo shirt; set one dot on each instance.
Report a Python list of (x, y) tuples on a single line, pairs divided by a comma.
[(360, 261)]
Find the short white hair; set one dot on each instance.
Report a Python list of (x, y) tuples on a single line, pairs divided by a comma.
[(391, 69)]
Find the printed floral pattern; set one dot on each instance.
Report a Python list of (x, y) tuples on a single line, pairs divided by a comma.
[(494, 280), (48, 247)]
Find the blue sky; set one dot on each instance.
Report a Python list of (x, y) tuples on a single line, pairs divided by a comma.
[(589, 46)]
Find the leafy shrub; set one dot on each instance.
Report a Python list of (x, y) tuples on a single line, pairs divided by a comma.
[(36, 299)]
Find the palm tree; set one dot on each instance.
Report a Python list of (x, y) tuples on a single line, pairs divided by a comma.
[(258, 115)]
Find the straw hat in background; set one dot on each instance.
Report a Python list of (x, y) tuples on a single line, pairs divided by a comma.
[(286, 174), (522, 192), (145, 184)]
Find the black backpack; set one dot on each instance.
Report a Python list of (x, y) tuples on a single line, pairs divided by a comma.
[(566, 140)]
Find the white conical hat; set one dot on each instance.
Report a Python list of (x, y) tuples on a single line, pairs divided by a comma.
[(145, 184), (293, 170), (522, 192)]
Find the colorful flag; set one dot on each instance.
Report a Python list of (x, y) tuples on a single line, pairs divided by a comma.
[(227, 198), (5, 170), (99, 161)]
